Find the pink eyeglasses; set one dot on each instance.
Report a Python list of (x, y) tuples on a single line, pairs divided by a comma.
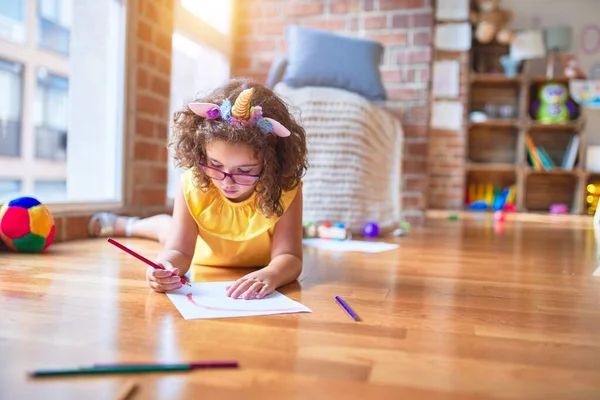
[(240, 179)]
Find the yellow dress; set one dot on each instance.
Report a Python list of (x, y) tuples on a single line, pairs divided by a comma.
[(229, 234)]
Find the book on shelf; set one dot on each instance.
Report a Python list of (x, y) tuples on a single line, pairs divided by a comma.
[(571, 153), (540, 160)]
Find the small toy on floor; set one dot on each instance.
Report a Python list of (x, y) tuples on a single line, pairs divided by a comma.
[(26, 225), (326, 230), (371, 230)]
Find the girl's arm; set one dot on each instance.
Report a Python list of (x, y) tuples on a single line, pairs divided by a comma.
[(286, 250), (179, 248), (286, 257)]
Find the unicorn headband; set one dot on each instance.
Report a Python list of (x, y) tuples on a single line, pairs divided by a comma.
[(241, 114)]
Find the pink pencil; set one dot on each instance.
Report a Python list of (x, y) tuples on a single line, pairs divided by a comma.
[(140, 257)]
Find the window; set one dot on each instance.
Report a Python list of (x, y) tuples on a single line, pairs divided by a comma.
[(51, 191), (9, 189), (54, 19), (63, 100), (201, 56), (10, 108), (51, 111), (215, 13), (12, 20)]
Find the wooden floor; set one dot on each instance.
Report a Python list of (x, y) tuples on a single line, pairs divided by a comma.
[(462, 310)]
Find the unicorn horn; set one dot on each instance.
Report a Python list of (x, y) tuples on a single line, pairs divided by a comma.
[(241, 108)]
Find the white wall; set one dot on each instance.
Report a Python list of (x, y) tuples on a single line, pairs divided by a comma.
[(534, 14)]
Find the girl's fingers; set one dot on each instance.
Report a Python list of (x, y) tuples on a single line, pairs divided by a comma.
[(156, 287), (234, 286), (164, 288), (241, 289), (253, 290), (169, 280), (266, 290), (159, 273)]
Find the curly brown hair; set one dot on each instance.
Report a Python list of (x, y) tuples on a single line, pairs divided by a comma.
[(284, 160)]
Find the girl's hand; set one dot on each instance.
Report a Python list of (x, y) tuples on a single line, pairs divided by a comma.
[(163, 280), (257, 284)]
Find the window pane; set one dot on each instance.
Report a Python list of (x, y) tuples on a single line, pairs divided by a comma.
[(12, 20), (196, 70), (10, 108), (71, 148), (13, 9), (51, 191), (9, 189), (54, 25), (51, 116), (215, 13)]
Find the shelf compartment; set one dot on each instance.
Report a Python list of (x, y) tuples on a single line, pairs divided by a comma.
[(544, 189), (490, 97), (555, 144), (492, 145), (478, 180)]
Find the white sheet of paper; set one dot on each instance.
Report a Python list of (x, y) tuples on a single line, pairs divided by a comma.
[(205, 300), (446, 75), (349, 245), (447, 115), (453, 37), (528, 45), (452, 10)]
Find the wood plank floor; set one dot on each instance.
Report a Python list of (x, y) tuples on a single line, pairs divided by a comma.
[(462, 310)]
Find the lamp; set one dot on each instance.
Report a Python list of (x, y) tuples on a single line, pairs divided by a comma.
[(558, 39)]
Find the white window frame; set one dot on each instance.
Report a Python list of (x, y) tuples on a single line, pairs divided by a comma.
[(32, 57)]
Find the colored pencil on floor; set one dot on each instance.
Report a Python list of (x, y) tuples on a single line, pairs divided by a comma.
[(123, 369), (347, 308)]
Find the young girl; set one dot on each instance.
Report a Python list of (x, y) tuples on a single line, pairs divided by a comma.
[(240, 199)]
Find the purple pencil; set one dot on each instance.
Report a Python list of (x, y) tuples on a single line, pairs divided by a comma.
[(347, 308)]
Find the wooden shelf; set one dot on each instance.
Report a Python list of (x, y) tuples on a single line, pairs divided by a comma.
[(543, 79), (575, 125), (492, 167), (496, 123), (553, 171), (496, 79), (496, 149)]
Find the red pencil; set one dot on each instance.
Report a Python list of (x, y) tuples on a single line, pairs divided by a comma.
[(140, 257)]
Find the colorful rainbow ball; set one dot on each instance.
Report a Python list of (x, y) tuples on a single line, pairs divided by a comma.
[(26, 225)]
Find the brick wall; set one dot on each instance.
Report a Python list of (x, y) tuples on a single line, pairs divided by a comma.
[(149, 88), (403, 26)]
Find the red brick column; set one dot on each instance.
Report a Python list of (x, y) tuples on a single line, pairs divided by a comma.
[(149, 82)]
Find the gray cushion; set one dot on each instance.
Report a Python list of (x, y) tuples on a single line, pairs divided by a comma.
[(320, 58), (276, 71)]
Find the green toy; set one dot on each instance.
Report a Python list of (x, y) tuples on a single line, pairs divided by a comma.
[(553, 105)]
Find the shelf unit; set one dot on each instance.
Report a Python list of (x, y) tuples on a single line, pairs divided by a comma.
[(496, 148)]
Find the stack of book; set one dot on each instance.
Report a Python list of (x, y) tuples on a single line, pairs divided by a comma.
[(540, 160)]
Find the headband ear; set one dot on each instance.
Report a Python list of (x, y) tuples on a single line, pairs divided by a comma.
[(279, 129), (205, 110)]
